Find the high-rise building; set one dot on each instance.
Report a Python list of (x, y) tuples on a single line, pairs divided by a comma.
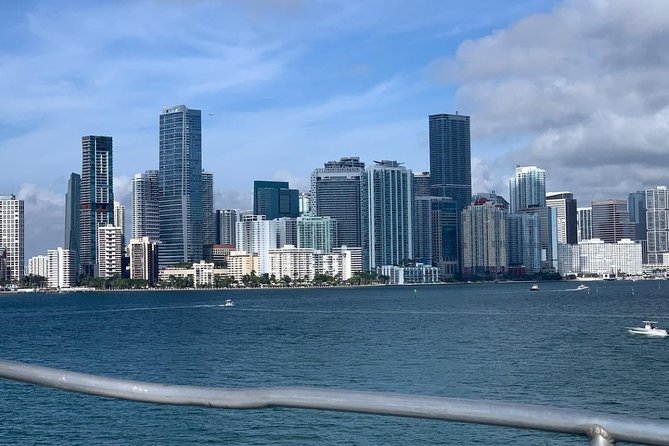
[(286, 228), (636, 205), (524, 243), (73, 217), (274, 199), (527, 188), (146, 205), (62, 272), (436, 236), (143, 254), (208, 223), (305, 204), (450, 158), (337, 191), (584, 224), (119, 218), (110, 251), (319, 233), (38, 266), (657, 214), (567, 219), (611, 221), (389, 219), (255, 234), (226, 226), (12, 236), (422, 184), (484, 233), (180, 185), (97, 196)]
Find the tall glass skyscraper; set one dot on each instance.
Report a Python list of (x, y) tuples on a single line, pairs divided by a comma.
[(12, 238), (97, 197), (146, 205), (180, 185), (208, 216), (274, 199), (527, 189), (72, 218)]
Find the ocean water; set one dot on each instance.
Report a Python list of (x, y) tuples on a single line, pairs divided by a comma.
[(499, 341)]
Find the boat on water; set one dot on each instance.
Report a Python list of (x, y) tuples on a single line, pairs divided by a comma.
[(649, 329), (582, 287), (229, 303), (534, 287)]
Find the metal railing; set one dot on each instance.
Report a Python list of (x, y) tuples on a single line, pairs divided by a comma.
[(601, 429)]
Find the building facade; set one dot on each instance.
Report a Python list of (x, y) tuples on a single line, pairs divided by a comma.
[(226, 226), (62, 272), (274, 199), (180, 177), (584, 224), (143, 254), (110, 251), (611, 221), (657, 223), (484, 235), (146, 205), (257, 235), (595, 257), (208, 215), (73, 217), (524, 243), (567, 217), (527, 188), (97, 197), (38, 266), (319, 233), (12, 237)]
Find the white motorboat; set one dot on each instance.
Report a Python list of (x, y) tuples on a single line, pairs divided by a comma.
[(229, 303), (582, 287), (534, 287), (649, 329)]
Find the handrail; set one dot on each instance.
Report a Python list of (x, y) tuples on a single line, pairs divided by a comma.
[(602, 429)]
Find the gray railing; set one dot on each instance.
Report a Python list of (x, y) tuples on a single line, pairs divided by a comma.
[(601, 429)]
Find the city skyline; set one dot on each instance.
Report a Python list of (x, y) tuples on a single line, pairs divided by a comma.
[(341, 80)]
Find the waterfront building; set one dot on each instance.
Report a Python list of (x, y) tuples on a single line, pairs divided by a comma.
[(73, 217), (208, 215), (305, 204), (110, 251), (62, 273), (636, 206), (296, 263), (584, 224), (119, 218), (657, 215), (38, 266), (398, 275), (257, 235), (484, 234), (524, 243), (389, 218), (274, 199), (143, 254), (595, 256), (351, 260), (338, 192), (226, 226), (611, 221), (436, 236), (450, 158), (97, 197), (180, 177), (217, 252), (422, 184), (527, 188), (567, 219), (203, 274), (146, 205), (286, 231), (547, 235), (4, 272), (319, 233), (241, 263), (12, 236)]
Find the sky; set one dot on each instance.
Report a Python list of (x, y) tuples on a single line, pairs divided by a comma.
[(576, 87)]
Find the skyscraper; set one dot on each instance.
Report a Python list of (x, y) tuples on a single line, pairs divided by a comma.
[(208, 224), (146, 205), (110, 251), (527, 188), (611, 221), (450, 158), (337, 192), (119, 219), (318, 233), (636, 205), (274, 199), (657, 210), (255, 234), (226, 226), (422, 184), (567, 219), (584, 223), (62, 270), (12, 236), (180, 185), (73, 218), (389, 219), (97, 197), (143, 253), (484, 248), (436, 236), (524, 243)]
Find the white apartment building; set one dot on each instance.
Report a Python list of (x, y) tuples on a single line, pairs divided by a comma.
[(12, 236), (110, 251), (296, 263), (143, 256), (596, 257), (62, 272), (203, 274), (257, 235), (398, 275), (38, 266), (241, 263)]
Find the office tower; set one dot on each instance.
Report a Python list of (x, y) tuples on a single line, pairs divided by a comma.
[(256, 234), (305, 204), (119, 218), (390, 205), (436, 236), (12, 236), (97, 196), (38, 266), (450, 158), (611, 221), (422, 184), (180, 185), (337, 191), (110, 251), (286, 228), (524, 244), (274, 199), (657, 211), (73, 217), (636, 205), (146, 205), (584, 224), (319, 233), (567, 219), (208, 223), (547, 234), (143, 254), (62, 271), (484, 232), (527, 188), (226, 225)]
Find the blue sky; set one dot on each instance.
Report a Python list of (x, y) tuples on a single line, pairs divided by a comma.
[(573, 86)]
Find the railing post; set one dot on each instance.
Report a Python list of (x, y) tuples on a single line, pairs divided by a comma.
[(599, 437)]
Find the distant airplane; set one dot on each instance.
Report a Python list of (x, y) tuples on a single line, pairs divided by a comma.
[(211, 114)]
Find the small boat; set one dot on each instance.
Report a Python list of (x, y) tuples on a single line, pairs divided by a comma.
[(582, 287), (649, 329), (229, 303), (534, 287)]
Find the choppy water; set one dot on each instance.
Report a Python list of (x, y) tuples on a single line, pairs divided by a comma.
[(557, 346)]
